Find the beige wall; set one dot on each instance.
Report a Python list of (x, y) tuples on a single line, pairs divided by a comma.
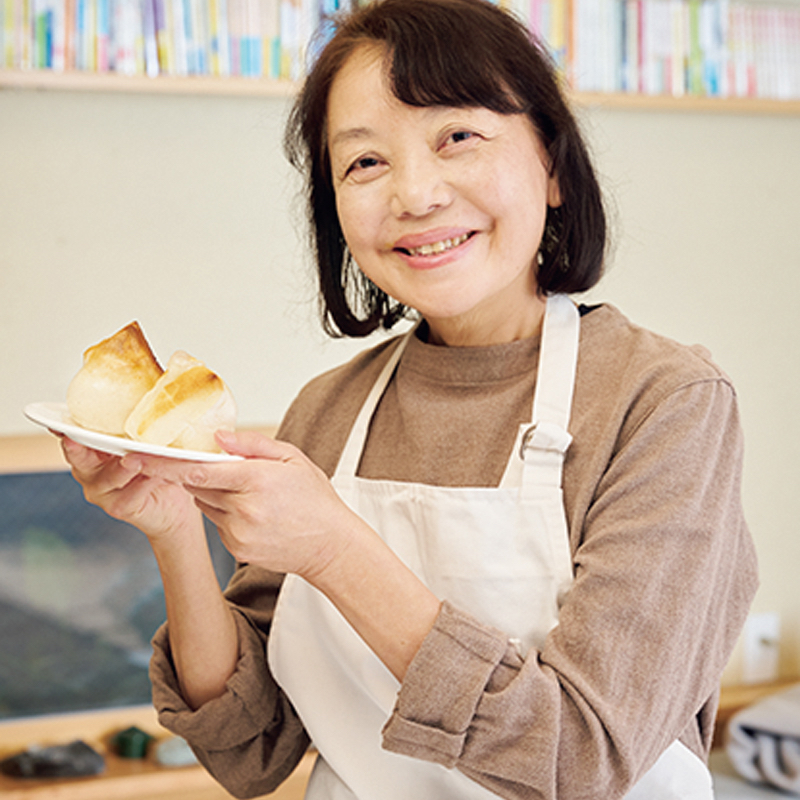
[(180, 212), (709, 251), (175, 211)]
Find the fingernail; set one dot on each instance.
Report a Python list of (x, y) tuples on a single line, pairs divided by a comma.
[(131, 463)]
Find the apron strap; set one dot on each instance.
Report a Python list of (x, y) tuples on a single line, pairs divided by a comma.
[(558, 357), (351, 455), (538, 454)]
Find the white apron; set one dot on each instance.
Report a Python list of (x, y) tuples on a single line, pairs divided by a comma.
[(501, 554)]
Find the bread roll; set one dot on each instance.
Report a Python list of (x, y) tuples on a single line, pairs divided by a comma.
[(185, 407), (116, 374)]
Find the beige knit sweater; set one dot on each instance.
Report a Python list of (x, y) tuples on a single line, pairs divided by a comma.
[(665, 570)]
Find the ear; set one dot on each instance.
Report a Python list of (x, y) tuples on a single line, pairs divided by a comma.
[(553, 191)]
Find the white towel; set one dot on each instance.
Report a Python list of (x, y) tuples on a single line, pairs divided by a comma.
[(763, 741)]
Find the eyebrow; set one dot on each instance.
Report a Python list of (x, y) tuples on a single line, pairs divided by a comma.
[(350, 134)]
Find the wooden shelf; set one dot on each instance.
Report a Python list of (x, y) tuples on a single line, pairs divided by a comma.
[(690, 103), (262, 87), (75, 81), (124, 778)]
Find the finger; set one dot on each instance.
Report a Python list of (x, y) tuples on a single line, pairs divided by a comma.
[(225, 476), (82, 458), (172, 470), (251, 444), (228, 475), (217, 515), (98, 472), (210, 498)]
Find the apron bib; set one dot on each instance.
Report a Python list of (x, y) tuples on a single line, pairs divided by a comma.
[(501, 554)]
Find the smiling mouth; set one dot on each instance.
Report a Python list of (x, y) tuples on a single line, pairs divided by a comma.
[(435, 248)]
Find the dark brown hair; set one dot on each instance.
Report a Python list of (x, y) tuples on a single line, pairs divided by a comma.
[(453, 53)]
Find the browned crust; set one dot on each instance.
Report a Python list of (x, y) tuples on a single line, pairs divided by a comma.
[(127, 346)]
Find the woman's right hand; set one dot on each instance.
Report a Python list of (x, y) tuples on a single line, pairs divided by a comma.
[(202, 632), (156, 507)]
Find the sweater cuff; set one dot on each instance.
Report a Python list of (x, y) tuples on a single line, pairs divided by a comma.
[(443, 687), (245, 709)]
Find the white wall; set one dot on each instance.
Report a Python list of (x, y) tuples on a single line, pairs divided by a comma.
[(180, 212), (174, 211)]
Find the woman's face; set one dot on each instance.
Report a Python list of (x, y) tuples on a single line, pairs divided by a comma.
[(442, 208)]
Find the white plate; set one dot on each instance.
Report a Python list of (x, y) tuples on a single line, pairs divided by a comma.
[(55, 417)]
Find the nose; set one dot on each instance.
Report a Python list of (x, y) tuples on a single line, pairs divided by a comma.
[(419, 187)]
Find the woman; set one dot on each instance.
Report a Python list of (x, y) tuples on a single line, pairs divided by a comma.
[(452, 623)]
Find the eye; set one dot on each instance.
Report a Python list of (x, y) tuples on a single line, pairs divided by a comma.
[(456, 137), (363, 164), (460, 136)]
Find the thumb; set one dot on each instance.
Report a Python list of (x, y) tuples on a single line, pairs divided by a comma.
[(251, 444)]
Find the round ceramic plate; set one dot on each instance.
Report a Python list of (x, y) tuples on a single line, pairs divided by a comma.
[(55, 417)]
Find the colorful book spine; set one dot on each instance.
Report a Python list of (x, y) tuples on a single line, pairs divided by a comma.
[(149, 38), (271, 33), (214, 39), (252, 52), (560, 11), (81, 16), (236, 26), (68, 34), (9, 29), (166, 59), (25, 17), (631, 54), (102, 40), (290, 45), (679, 49)]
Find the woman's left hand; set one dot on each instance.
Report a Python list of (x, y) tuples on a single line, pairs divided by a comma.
[(274, 509)]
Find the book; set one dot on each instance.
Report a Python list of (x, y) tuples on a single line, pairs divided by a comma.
[(149, 38), (271, 37)]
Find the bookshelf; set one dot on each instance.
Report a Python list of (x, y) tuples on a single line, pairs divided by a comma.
[(731, 56)]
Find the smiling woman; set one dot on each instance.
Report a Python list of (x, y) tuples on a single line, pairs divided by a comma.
[(499, 76), (502, 554)]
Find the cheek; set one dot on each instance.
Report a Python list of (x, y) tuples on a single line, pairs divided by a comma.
[(357, 220)]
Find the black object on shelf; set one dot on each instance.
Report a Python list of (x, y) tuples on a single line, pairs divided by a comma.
[(72, 760)]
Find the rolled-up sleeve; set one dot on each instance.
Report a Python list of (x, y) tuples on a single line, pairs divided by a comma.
[(249, 738), (665, 571)]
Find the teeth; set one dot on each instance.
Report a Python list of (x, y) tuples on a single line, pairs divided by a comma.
[(438, 247)]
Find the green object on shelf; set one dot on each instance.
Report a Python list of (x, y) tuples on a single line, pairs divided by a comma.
[(132, 742)]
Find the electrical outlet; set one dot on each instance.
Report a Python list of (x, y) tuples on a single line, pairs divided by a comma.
[(762, 636)]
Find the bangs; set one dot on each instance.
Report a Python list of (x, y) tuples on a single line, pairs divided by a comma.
[(442, 57), (436, 76)]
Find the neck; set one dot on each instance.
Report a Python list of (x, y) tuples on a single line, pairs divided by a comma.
[(476, 331)]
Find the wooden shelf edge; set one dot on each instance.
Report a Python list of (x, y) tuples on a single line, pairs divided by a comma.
[(688, 103), (48, 80), (131, 784)]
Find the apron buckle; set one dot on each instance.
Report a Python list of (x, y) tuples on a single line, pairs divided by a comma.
[(545, 436)]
